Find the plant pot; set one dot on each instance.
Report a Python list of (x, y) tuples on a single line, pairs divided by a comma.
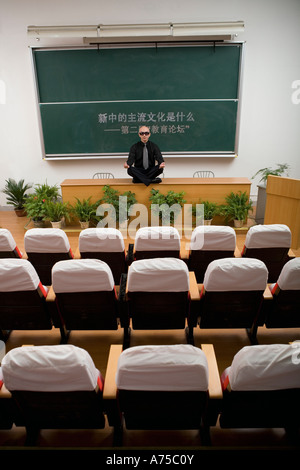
[(20, 212), (56, 224), (207, 221), (84, 224), (238, 223), (38, 223)]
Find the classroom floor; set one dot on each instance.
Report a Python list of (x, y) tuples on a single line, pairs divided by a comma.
[(226, 344)]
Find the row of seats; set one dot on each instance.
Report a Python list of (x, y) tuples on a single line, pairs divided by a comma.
[(156, 294), (44, 247), (150, 388)]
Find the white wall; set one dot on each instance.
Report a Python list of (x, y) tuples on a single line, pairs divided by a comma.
[(270, 121)]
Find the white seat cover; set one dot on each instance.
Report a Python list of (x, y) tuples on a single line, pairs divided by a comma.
[(158, 275), (160, 238), (101, 239), (82, 275), (49, 369), (213, 238), (289, 278), (46, 240), (180, 367), (265, 367), (7, 242), (17, 274), (268, 236), (235, 274)]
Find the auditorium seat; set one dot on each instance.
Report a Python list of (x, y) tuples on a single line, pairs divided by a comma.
[(44, 247), (23, 303), (86, 296), (210, 242), (8, 246), (271, 244), (161, 294), (54, 387), (261, 388), (156, 242), (232, 294), (164, 387), (106, 244), (283, 311)]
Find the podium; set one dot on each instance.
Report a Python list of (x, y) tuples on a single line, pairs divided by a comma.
[(283, 205)]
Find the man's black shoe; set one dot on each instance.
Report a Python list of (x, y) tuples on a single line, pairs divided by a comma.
[(156, 180), (134, 180)]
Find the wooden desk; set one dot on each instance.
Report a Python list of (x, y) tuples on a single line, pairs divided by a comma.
[(212, 189)]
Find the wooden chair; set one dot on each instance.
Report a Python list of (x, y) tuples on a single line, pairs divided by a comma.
[(210, 242), (271, 244), (106, 244), (45, 247), (232, 294), (165, 387), (23, 298), (86, 296), (54, 387), (8, 246), (161, 294), (261, 388)]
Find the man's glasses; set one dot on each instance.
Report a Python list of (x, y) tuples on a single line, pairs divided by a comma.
[(144, 133)]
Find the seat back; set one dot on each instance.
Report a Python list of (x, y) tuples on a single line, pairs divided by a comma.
[(54, 387), (232, 293), (103, 175), (44, 247), (106, 244), (85, 294), (284, 309), (270, 244), (203, 174), (210, 242), (8, 246), (162, 387), (157, 242), (262, 387), (157, 292), (22, 297)]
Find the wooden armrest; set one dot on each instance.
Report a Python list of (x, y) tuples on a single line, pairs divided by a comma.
[(77, 254), (214, 381), (110, 388), (4, 393), (194, 291), (51, 295), (267, 294), (237, 253)]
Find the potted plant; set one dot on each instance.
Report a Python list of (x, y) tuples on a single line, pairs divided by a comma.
[(236, 208), (282, 168), (120, 205), (35, 202), (85, 211), (16, 195), (56, 212), (210, 209), (161, 204)]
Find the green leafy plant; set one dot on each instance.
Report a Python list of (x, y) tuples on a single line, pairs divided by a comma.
[(16, 192), (210, 209), (121, 205), (55, 211), (161, 204), (85, 210), (265, 172), (35, 204), (237, 206)]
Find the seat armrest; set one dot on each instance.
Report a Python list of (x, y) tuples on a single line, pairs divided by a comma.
[(237, 253), (50, 295), (267, 293), (214, 381), (110, 388), (77, 254), (4, 393), (194, 291)]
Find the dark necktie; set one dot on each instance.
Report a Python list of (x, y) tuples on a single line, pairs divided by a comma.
[(145, 157)]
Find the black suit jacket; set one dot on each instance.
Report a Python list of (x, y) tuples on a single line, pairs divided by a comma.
[(136, 154)]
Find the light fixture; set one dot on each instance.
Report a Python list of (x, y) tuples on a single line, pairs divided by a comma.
[(97, 34)]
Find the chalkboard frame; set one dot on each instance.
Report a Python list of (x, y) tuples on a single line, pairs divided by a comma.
[(66, 155)]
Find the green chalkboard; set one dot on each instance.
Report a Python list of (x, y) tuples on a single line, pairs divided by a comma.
[(92, 101)]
